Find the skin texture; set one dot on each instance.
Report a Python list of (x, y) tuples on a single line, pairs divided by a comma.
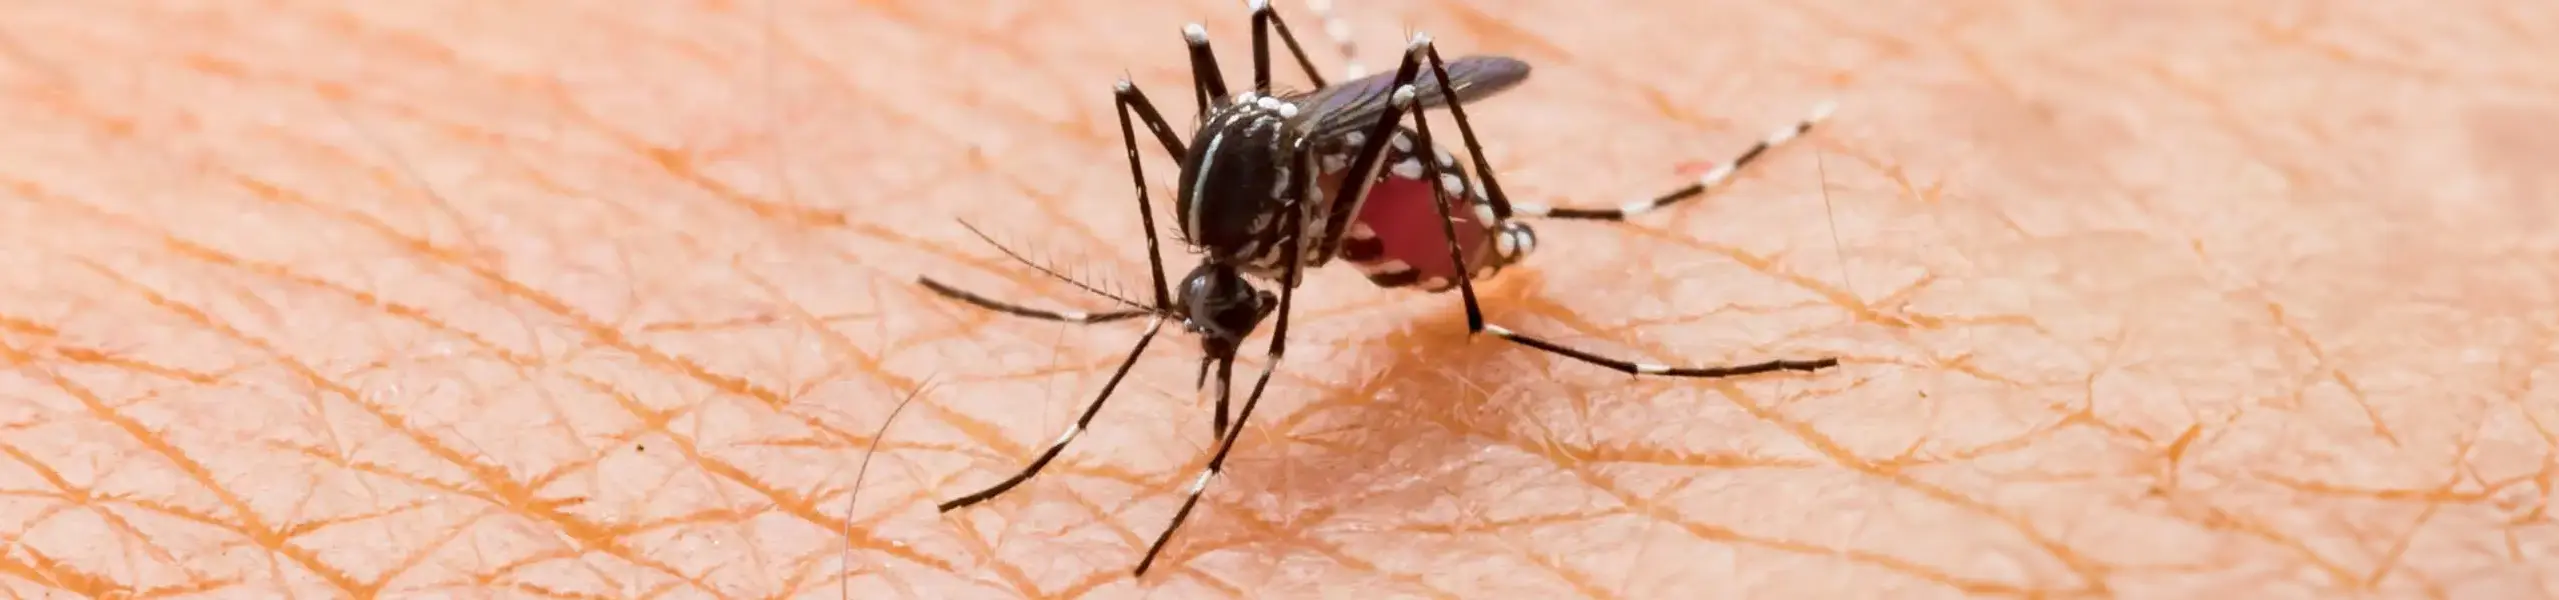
[(2139, 299)]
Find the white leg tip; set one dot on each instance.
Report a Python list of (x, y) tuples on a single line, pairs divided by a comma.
[(1420, 40), (1723, 171), (1822, 111), (1651, 369), (1195, 34), (1534, 209), (1497, 330), (1404, 96), (1257, 5)]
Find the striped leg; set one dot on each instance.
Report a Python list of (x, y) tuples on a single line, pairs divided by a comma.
[(1265, 19), (1131, 101), (1713, 178), (1081, 421), (1404, 96), (1065, 316)]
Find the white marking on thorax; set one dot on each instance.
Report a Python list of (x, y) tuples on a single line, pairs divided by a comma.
[(1199, 187)]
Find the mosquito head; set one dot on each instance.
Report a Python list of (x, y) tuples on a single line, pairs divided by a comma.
[(1221, 307)]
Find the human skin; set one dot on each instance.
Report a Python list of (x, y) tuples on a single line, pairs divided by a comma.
[(2140, 299)]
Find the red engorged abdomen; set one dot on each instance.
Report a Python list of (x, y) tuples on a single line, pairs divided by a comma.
[(1407, 225)]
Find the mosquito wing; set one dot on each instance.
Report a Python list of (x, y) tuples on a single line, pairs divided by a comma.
[(1353, 105)]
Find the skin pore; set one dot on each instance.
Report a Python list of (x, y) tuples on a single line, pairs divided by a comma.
[(605, 299)]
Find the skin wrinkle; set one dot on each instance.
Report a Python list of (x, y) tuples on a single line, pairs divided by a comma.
[(2161, 300)]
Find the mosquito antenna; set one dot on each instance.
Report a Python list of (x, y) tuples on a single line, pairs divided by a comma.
[(1821, 170), (1051, 272), (855, 493)]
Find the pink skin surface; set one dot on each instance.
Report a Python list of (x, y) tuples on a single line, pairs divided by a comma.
[(326, 299)]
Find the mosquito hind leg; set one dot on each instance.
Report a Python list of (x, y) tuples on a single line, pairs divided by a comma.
[(1713, 178), (1404, 96)]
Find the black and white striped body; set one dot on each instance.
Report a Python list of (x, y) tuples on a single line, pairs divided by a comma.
[(1245, 190), (1249, 175), (1262, 161)]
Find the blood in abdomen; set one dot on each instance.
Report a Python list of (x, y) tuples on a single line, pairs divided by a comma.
[(1404, 243)]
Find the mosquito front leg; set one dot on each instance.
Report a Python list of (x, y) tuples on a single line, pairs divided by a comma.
[(1068, 437), (1065, 316), (1130, 100)]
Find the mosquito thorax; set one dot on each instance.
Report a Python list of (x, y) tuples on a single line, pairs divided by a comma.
[(1238, 178)]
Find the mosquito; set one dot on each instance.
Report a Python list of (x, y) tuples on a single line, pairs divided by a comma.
[(1273, 184)]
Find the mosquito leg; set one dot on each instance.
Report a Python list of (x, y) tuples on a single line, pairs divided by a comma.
[(1712, 178), (1207, 83), (1081, 422), (1131, 99), (1466, 131), (1263, 20), (1226, 442), (1066, 316), (1404, 97), (1356, 181)]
